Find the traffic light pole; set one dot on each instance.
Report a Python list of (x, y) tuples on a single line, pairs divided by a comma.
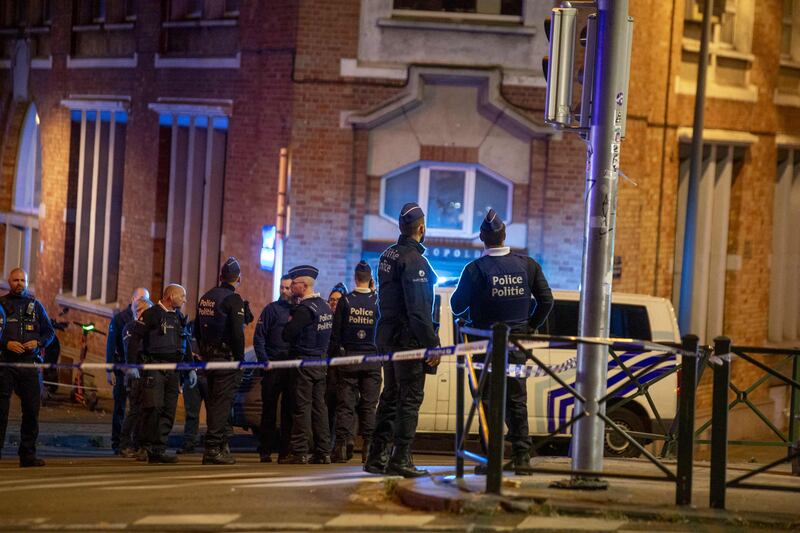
[(605, 135)]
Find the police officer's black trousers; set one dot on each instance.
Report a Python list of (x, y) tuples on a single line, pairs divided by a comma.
[(277, 389), (398, 409), (25, 383), (159, 400), (357, 393), (120, 395), (130, 434), (310, 412), (192, 399), (222, 387), (516, 407)]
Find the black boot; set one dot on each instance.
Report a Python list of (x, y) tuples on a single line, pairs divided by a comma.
[(349, 449), (339, 453), (217, 456), (401, 464), (521, 464), (377, 458), (365, 450), (29, 461)]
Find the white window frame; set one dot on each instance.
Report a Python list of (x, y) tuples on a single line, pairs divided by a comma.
[(739, 50), (791, 61), (458, 16), (470, 175), (24, 216)]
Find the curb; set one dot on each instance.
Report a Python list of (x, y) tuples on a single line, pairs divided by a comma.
[(96, 441), (436, 494)]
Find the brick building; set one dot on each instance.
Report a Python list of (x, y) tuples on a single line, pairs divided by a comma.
[(142, 141)]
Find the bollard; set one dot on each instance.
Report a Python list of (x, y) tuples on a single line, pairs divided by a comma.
[(719, 423), (460, 362), (497, 408), (683, 484)]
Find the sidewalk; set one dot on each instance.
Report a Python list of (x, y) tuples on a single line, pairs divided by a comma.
[(630, 498)]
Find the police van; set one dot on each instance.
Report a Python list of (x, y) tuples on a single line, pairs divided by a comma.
[(549, 404)]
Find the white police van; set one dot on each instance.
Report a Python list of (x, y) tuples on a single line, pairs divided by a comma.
[(549, 404)]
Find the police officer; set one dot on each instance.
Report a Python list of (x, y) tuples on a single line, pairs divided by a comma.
[(505, 287), (27, 331), (160, 336), (277, 385), (115, 353), (359, 385), (405, 302), (219, 329), (129, 443), (308, 334), (332, 378)]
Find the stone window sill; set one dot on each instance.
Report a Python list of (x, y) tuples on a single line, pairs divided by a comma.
[(88, 306), (102, 62), (748, 93), (199, 62), (457, 26), (788, 100)]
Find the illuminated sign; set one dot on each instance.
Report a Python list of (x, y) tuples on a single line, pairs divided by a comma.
[(267, 257)]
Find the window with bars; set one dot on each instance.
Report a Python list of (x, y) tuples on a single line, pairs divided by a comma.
[(455, 197), (104, 28), (22, 222), (94, 204), (192, 163), (730, 49)]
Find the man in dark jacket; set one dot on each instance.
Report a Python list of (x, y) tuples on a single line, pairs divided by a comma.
[(308, 334), (27, 331), (505, 287), (160, 337), (277, 384), (405, 301), (115, 353)]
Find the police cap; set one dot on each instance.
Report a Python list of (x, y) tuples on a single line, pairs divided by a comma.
[(302, 271), (409, 213), (231, 268), (363, 266), (492, 223)]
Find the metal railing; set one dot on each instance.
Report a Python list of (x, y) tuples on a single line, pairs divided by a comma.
[(492, 417), (724, 353)]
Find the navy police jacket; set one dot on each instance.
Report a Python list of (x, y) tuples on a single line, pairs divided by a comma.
[(25, 320), (268, 342), (405, 297), (219, 324), (159, 335), (309, 329), (115, 348), (354, 323), (503, 287)]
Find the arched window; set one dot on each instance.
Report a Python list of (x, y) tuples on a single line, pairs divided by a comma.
[(454, 196), (22, 223)]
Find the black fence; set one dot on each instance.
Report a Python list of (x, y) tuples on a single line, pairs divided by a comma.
[(679, 436)]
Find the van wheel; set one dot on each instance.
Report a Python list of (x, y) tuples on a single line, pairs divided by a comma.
[(616, 445)]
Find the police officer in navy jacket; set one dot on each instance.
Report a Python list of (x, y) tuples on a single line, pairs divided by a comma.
[(308, 334), (219, 330), (359, 385), (277, 385), (505, 287), (160, 336), (405, 302), (26, 330)]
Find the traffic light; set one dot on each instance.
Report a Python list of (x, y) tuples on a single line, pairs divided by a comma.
[(588, 40), (561, 31)]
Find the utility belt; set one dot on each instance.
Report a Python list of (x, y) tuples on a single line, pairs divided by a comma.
[(161, 358), (219, 352), (7, 356)]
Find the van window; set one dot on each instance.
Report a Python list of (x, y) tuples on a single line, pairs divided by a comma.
[(627, 321)]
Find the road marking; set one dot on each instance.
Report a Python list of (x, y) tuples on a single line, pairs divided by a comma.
[(312, 484), (64, 485), (353, 520), (560, 523), (186, 519), (272, 526)]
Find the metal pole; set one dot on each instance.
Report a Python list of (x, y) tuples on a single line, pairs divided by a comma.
[(683, 489), (459, 415), (598, 252), (719, 424), (794, 416), (497, 408), (689, 260)]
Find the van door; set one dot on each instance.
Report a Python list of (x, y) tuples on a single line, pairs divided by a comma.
[(555, 401)]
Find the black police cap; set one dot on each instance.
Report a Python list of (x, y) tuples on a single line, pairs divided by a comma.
[(231, 268), (492, 223), (301, 271), (409, 213)]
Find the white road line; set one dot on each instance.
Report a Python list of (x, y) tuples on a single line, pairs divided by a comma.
[(313, 484), (557, 523), (272, 526), (186, 519), (65, 485), (353, 521)]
